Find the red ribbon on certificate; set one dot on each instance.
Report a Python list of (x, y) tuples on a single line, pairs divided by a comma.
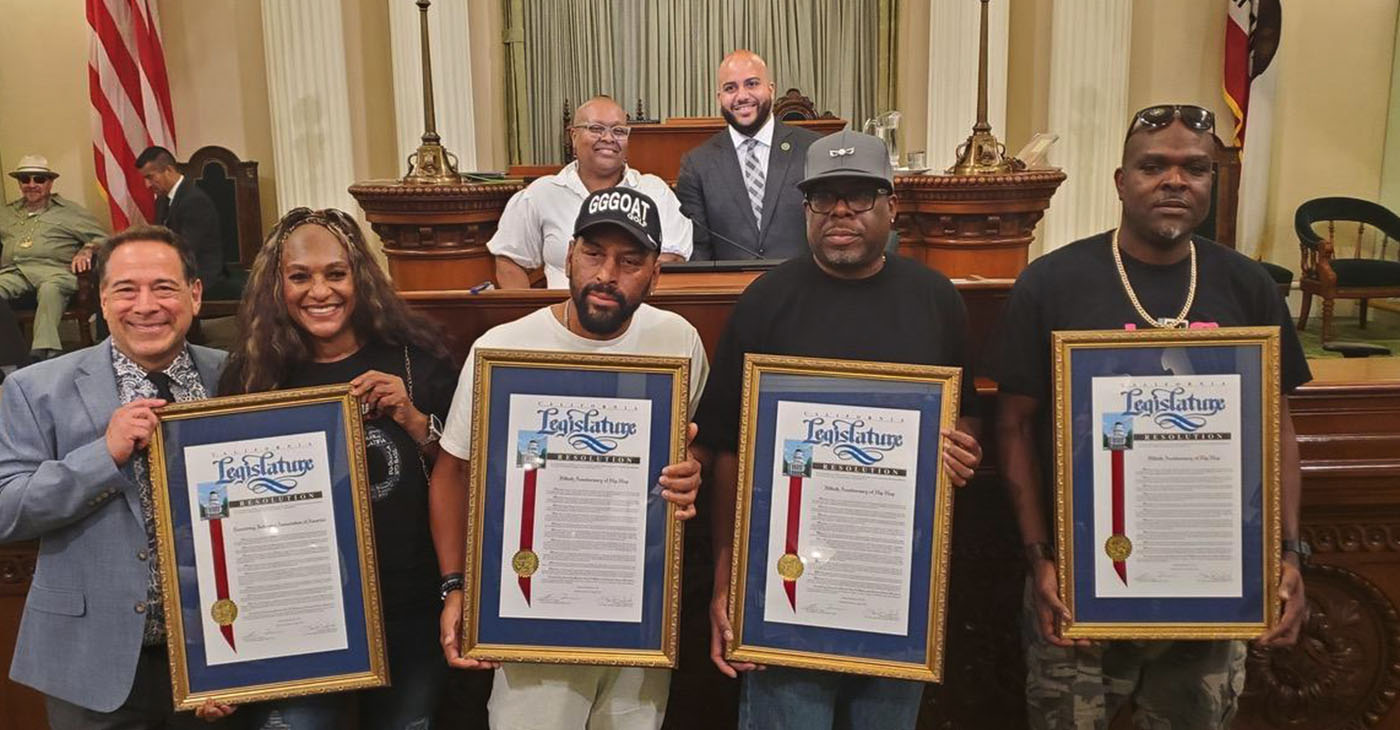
[(1119, 539), (223, 616), (525, 560), (794, 522)]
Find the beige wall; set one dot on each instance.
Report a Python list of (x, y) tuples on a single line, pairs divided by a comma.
[(1334, 91), (911, 79), (1390, 166), (1333, 103), (369, 76), (44, 96), (218, 84), (487, 19)]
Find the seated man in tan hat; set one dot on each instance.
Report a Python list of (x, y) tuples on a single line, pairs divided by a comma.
[(40, 236)]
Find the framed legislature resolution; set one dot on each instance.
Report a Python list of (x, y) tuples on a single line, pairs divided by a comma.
[(266, 547), (843, 516), (572, 554), (1167, 482)]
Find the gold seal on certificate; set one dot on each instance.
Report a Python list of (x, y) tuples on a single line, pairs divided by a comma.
[(224, 612), (1118, 547), (525, 563), (790, 567)]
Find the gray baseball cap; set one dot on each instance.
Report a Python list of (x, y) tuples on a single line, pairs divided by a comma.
[(848, 154)]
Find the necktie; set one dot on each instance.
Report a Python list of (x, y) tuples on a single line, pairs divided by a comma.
[(162, 383), (753, 179)]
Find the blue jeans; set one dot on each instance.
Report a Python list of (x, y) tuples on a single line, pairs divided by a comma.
[(416, 669), (802, 699)]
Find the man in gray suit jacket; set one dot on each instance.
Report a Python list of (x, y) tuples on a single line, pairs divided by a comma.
[(739, 188), (74, 474)]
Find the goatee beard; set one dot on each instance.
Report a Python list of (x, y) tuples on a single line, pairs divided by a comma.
[(603, 324), (765, 109)]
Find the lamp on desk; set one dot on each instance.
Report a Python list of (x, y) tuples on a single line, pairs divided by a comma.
[(983, 153), (432, 164)]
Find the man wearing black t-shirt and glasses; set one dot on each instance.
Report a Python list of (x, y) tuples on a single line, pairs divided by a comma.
[(846, 300), (1149, 272)]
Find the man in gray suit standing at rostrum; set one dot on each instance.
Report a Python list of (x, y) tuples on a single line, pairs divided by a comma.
[(739, 188), (74, 474)]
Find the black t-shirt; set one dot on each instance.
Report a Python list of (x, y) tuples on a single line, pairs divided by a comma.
[(905, 313), (1078, 288), (398, 476)]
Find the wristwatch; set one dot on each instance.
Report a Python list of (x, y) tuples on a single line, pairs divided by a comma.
[(451, 582), (1299, 547), (1039, 551), (434, 431)]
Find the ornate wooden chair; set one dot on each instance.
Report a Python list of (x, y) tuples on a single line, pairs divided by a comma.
[(233, 186), (1371, 271), (792, 106)]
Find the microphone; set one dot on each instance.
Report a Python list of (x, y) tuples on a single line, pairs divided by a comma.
[(724, 238)]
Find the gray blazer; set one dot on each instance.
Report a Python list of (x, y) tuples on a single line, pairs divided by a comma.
[(80, 635), (712, 194)]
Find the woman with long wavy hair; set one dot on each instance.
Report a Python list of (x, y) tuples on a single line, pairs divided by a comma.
[(318, 309)]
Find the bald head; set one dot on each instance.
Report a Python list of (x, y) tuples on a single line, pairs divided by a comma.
[(599, 136), (600, 105), (747, 63)]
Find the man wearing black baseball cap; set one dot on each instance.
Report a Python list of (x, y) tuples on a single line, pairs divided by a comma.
[(612, 265), (846, 300)]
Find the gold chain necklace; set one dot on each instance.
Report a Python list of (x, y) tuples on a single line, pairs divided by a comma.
[(1160, 322)]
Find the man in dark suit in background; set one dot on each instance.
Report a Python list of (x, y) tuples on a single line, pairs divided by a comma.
[(184, 208), (739, 188)]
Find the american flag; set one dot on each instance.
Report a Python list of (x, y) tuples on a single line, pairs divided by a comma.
[(1252, 33), (130, 102)]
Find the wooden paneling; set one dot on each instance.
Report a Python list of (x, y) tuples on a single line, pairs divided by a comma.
[(20, 707)]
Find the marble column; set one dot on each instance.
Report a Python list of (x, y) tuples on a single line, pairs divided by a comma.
[(953, 40), (449, 42), (304, 42), (1089, 60)]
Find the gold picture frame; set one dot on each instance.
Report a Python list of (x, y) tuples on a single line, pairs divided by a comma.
[(742, 648), (1066, 345), (551, 364), (376, 673)]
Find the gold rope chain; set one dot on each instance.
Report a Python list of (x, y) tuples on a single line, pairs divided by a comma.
[(1162, 323)]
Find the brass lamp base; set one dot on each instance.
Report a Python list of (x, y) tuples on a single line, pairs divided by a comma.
[(432, 164), (983, 154)]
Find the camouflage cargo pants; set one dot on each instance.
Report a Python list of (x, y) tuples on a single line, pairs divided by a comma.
[(1173, 685)]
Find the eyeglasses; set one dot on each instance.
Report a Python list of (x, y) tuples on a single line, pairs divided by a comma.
[(1156, 117), (27, 179), (617, 131), (859, 201)]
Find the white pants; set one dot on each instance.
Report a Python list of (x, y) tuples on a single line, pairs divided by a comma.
[(566, 697)]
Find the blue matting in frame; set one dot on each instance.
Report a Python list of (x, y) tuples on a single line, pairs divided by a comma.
[(927, 399), (643, 635), (1246, 360), (197, 430)]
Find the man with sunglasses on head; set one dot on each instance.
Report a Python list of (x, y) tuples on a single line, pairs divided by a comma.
[(47, 241), (845, 300), (535, 228), (1150, 272)]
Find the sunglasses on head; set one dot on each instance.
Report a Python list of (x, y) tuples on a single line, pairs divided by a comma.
[(1156, 117), (27, 179)]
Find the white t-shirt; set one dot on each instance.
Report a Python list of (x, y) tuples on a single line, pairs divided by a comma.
[(538, 222), (652, 332)]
